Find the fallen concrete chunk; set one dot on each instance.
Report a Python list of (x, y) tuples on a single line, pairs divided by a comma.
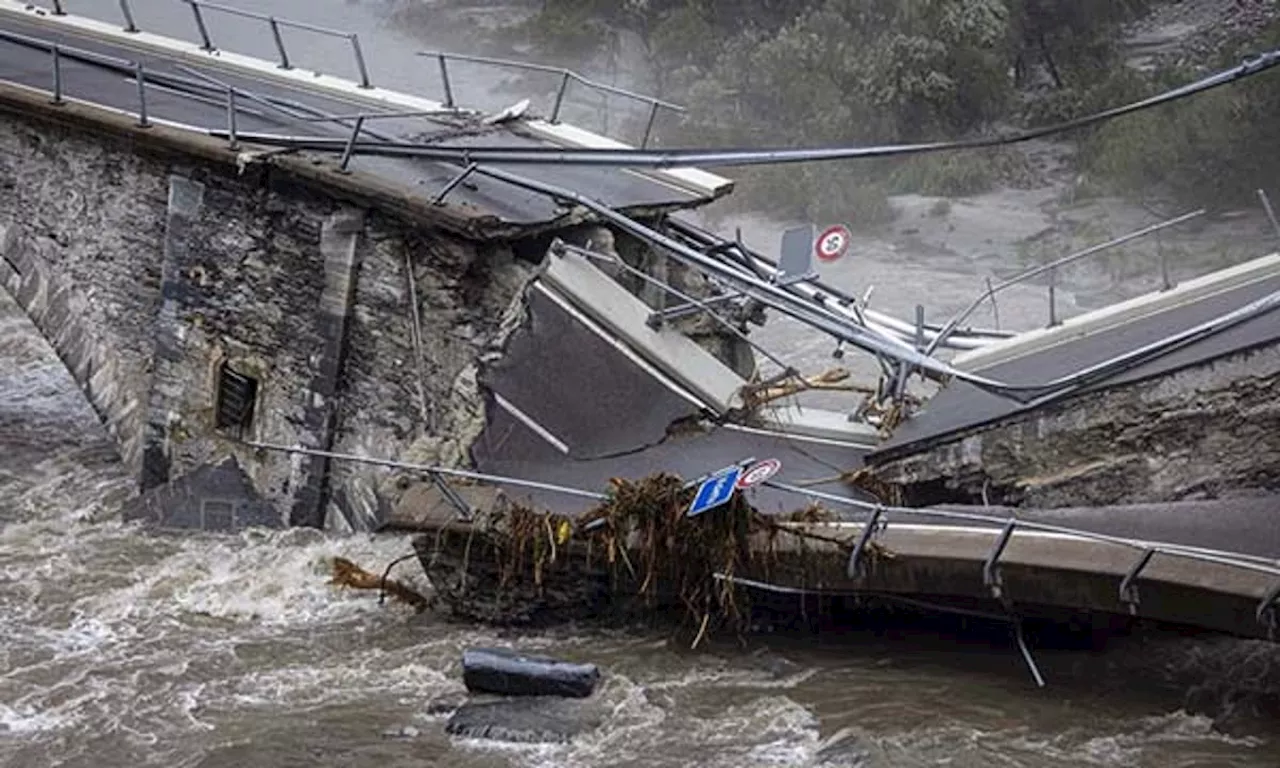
[(494, 670), (529, 720)]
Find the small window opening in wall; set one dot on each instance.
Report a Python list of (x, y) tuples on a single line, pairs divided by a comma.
[(236, 396), (217, 514)]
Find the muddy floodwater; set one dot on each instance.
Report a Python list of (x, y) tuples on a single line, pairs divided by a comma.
[(128, 648), (121, 647)]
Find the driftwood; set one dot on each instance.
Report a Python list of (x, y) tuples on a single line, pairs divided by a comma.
[(831, 381), (348, 574)]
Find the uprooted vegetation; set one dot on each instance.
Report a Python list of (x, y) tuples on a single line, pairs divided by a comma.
[(637, 554)]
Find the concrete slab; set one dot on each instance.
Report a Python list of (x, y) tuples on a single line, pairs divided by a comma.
[(961, 407), (37, 22), (625, 316)]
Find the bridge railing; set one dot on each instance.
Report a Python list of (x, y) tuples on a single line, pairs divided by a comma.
[(1267, 611), (200, 9), (1052, 268), (201, 81), (274, 23), (566, 77)]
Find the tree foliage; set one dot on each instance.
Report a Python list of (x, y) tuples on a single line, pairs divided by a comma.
[(813, 72), (1217, 148)]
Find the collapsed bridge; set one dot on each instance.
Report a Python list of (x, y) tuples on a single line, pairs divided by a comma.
[(269, 313)]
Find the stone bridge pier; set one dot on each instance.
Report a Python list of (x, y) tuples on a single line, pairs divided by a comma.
[(202, 305)]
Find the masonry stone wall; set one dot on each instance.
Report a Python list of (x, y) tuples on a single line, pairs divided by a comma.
[(1205, 431), (418, 389), (89, 220), (166, 265)]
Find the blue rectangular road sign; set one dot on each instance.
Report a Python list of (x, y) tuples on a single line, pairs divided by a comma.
[(714, 491)]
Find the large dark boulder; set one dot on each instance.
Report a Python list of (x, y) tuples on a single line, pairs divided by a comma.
[(495, 670), (528, 719)]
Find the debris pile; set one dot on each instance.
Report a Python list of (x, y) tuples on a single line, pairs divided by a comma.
[(639, 554)]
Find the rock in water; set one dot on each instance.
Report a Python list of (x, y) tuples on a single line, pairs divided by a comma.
[(529, 720), (494, 670)]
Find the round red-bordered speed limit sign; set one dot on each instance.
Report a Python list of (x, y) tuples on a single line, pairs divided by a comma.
[(832, 243), (758, 473)]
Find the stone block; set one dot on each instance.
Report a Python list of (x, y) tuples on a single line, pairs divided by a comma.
[(214, 497)]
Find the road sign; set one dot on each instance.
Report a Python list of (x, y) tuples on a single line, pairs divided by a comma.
[(832, 243), (714, 491), (795, 258), (759, 472)]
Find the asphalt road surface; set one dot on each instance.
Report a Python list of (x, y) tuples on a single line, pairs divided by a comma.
[(960, 406), (620, 188)]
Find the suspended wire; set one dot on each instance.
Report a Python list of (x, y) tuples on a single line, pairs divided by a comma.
[(711, 158)]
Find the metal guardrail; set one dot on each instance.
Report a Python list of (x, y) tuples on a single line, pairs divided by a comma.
[(838, 300), (275, 23), (135, 69), (1267, 611), (567, 76), (1052, 268)]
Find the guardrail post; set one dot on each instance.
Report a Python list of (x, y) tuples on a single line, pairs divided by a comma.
[(129, 26), (1165, 282), (1268, 613), (57, 8), (364, 71), (1026, 653), (454, 182), (1053, 297), (854, 569), (275, 32), (648, 126), (1271, 213), (1128, 587), (206, 43), (233, 142), (351, 144), (995, 308), (444, 79), (564, 86), (991, 568), (57, 74), (141, 76)]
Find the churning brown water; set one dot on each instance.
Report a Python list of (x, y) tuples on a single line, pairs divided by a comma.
[(128, 648)]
